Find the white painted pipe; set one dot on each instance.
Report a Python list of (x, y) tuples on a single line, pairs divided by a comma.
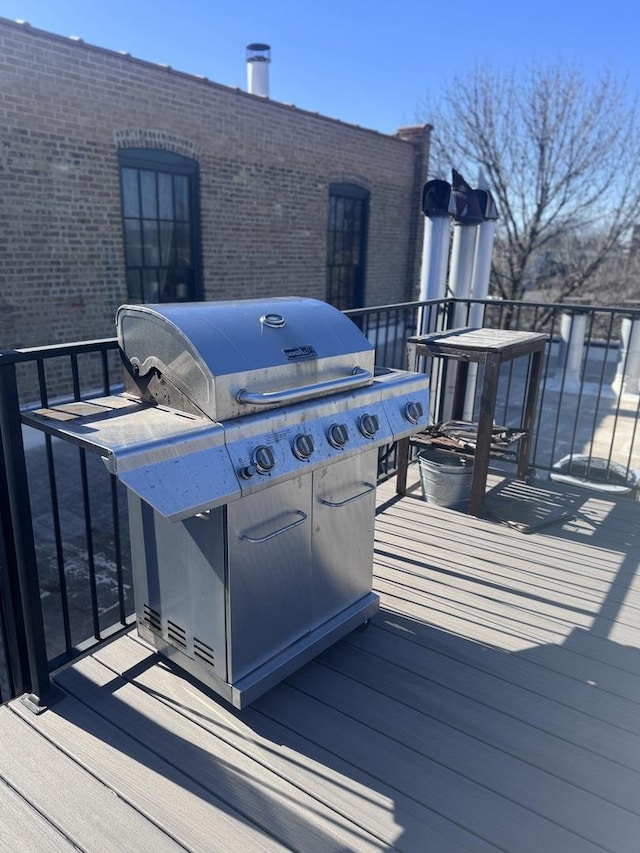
[(480, 290), (573, 326), (463, 251), (467, 220), (258, 60), (627, 379), (435, 259), (438, 208), (462, 254), (482, 269)]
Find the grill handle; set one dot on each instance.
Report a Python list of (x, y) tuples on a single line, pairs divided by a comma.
[(370, 488), (258, 540), (307, 392)]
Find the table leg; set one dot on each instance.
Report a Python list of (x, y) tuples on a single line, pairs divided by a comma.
[(485, 430), (403, 464), (531, 398)]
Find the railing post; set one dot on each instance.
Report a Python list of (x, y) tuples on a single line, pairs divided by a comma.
[(22, 568), (15, 646)]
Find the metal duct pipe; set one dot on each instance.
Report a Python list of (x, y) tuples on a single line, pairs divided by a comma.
[(484, 250), (480, 283), (627, 380), (258, 61), (463, 250), (438, 208), (573, 327), (467, 220)]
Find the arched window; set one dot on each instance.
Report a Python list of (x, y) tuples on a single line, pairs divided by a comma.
[(160, 211), (346, 245)]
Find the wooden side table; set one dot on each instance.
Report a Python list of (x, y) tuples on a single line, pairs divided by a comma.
[(491, 348)]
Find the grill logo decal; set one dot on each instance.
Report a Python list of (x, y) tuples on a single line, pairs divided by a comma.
[(297, 353)]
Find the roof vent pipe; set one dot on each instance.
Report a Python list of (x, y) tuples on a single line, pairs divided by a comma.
[(258, 59)]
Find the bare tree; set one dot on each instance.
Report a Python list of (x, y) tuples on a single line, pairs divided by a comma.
[(562, 158)]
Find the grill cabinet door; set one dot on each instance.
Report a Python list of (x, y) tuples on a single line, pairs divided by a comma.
[(343, 516), (269, 542)]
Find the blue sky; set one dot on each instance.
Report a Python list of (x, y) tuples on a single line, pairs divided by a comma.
[(368, 63)]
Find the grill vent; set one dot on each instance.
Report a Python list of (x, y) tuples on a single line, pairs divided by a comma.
[(203, 652), (176, 634), (152, 617)]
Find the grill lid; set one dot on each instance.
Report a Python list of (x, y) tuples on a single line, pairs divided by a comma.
[(233, 358)]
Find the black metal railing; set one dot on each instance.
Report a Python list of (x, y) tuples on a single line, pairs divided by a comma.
[(584, 418), (65, 577), (63, 580)]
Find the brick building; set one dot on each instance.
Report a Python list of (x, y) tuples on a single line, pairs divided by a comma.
[(128, 181)]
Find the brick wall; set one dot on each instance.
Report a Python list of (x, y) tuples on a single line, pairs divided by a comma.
[(265, 168)]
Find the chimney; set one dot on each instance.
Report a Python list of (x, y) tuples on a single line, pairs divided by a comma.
[(258, 59)]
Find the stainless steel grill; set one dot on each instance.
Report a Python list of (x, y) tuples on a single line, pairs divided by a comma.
[(247, 437)]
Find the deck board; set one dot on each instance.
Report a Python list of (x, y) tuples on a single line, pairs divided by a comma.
[(169, 794), (493, 704), (247, 787), (23, 828), (482, 683), (350, 792), (82, 808), (470, 770), (529, 674), (454, 716)]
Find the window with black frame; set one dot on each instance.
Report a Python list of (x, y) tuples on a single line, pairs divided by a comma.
[(160, 210), (346, 245)]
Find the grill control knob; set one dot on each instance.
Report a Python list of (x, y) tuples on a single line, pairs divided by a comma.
[(413, 411), (303, 446), (338, 435), (247, 472), (368, 425), (263, 459)]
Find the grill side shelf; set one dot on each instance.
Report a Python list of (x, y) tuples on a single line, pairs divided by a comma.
[(176, 462)]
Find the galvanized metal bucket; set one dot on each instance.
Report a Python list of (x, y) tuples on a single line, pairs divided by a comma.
[(445, 478)]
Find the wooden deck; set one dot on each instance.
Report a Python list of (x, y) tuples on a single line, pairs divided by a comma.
[(493, 704)]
